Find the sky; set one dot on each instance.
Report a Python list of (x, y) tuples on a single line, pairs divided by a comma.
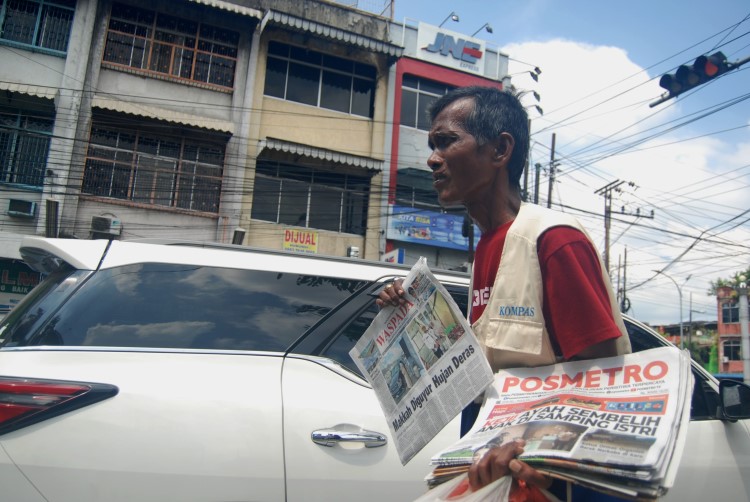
[(686, 159)]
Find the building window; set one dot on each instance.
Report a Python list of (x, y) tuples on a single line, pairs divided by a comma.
[(302, 196), (417, 96), (24, 146), (317, 79), (730, 312), (731, 350), (414, 189), (141, 166), (38, 23), (181, 48)]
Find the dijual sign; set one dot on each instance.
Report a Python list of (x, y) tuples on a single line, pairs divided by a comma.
[(300, 241)]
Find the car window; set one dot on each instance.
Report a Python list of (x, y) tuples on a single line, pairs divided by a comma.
[(338, 349), (178, 306), (705, 400), (26, 317)]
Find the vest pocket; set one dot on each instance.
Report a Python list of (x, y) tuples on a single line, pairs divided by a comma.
[(514, 336)]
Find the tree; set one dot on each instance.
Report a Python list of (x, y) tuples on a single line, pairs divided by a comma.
[(700, 354), (731, 281)]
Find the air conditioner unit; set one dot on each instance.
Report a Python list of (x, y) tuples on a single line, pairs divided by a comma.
[(21, 208), (105, 225)]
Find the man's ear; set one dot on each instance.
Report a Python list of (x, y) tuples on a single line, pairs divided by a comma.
[(504, 147)]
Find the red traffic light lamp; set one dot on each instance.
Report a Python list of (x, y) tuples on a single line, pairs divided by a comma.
[(713, 65), (701, 71)]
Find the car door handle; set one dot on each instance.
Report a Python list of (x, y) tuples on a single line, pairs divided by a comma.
[(344, 433)]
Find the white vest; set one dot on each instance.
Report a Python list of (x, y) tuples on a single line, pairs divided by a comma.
[(512, 329)]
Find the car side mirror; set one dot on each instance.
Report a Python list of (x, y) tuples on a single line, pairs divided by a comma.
[(735, 399)]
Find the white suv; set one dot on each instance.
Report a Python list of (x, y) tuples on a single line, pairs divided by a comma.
[(191, 372)]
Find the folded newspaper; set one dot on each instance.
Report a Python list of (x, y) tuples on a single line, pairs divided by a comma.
[(422, 360), (616, 425)]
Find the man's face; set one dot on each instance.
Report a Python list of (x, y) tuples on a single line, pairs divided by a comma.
[(463, 171)]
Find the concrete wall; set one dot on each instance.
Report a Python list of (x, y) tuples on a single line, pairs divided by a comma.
[(30, 68), (139, 222)]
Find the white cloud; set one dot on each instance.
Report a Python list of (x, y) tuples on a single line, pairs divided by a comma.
[(692, 180)]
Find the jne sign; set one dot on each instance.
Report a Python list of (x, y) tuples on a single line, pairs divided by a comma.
[(450, 49)]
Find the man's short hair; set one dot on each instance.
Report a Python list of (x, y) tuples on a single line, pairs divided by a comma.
[(495, 111)]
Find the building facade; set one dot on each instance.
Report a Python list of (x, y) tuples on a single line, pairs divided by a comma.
[(435, 60), (729, 330), (259, 122)]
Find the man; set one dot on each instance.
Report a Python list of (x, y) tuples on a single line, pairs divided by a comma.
[(529, 257)]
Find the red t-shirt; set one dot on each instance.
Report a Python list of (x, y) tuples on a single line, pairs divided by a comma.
[(576, 306)]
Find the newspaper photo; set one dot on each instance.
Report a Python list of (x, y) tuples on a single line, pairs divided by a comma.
[(614, 424), (422, 360)]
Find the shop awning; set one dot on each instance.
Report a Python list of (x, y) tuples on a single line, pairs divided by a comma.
[(320, 153), (152, 112), (231, 7), (30, 90), (334, 33)]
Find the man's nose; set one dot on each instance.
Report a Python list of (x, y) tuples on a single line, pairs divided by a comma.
[(434, 161)]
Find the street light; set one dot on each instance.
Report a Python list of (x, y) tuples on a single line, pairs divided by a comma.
[(452, 16), (679, 291), (485, 26)]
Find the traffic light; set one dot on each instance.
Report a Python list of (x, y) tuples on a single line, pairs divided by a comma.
[(701, 71)]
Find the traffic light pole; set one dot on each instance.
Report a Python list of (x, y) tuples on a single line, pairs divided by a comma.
[(668, 79)]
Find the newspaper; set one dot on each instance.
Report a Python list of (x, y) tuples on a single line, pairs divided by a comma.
[(615, 424), (422, 360)]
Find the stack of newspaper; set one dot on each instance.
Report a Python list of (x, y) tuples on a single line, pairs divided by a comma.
[(616, 425)]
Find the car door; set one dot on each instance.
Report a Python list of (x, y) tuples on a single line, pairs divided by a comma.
[(320, 399), (322, 393), (715, 462)]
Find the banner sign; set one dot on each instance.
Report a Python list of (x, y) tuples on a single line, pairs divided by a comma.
[(16, 280), (430, 228), (300, 241)]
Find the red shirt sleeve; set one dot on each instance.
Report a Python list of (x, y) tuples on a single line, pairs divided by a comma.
[(576, 303)]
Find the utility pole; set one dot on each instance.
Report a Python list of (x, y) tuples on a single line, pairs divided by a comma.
[(526, 166), (742, 292), (619, 270), (690, 322), (551, 172), (538, 168), (606, 192), (690, 319), (624, 300)]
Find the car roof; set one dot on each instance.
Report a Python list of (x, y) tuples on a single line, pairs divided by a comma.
[(44, 254)]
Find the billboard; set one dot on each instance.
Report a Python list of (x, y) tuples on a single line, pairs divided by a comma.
[(429, 228)]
